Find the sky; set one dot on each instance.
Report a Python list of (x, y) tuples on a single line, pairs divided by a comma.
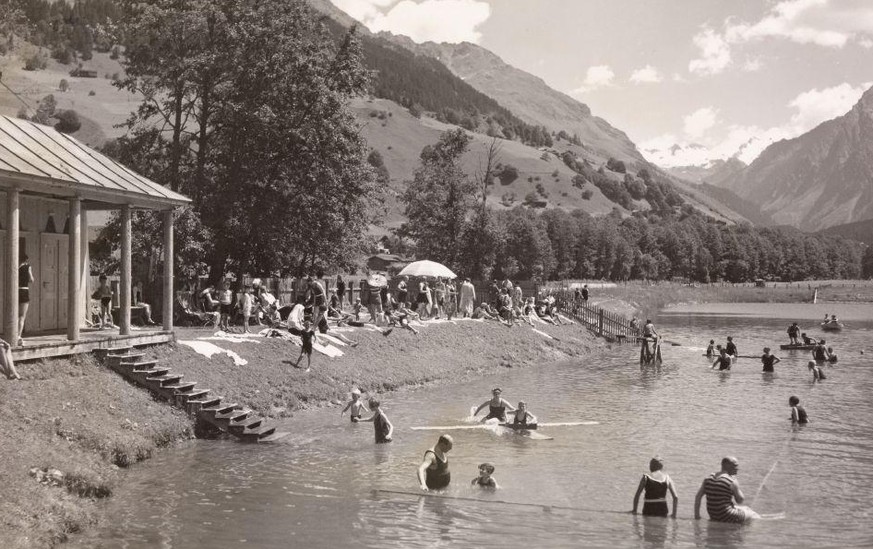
[(719, 78)]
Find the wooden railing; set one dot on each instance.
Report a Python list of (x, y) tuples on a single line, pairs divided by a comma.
[(600, 321)]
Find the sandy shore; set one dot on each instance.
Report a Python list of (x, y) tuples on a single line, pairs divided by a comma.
[(86, 422)]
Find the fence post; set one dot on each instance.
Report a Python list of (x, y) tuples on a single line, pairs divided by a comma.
[(600, 323)]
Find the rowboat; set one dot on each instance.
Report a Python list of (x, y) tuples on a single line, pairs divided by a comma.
[(800, 347), (832, 326)]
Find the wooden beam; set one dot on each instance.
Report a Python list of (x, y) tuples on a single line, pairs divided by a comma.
[(84, 270), (168, 271), (124, 301), (45, 186), (74, 245), (12, 221)]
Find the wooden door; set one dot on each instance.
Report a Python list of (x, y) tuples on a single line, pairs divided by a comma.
[(48, 282)]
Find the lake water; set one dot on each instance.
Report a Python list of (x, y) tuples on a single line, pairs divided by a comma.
[(315, 488)]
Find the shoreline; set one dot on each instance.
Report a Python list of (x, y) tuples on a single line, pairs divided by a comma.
[(77, 417)]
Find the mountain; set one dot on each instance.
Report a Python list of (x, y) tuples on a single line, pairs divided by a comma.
[(714, 172), (862, 231), (819, 179), (529, 97)]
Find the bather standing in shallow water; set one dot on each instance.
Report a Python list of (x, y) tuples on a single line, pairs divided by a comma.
[(497, 406), (433, 473)]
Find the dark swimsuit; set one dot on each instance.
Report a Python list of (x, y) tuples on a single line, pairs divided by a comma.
[(439, 478), (655, 502), (496, 412), (380, 427), (768, 361)]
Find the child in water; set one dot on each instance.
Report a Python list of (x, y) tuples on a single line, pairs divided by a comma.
[(798, 414), (817, 373), (832, 356), (710, 350), (381, 426), (523, 417), (485, 480), (356, 406)]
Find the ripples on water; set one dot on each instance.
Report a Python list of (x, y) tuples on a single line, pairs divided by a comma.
[(316, 487)]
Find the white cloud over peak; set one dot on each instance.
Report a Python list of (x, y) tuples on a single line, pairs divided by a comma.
[(428, 20), (825, 23), (811, 108), (597, 76), (696, 124), (646, 75)]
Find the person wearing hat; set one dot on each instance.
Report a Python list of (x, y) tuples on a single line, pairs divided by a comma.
[(723, 495), (656, 483), (497, 407), (355, 406)]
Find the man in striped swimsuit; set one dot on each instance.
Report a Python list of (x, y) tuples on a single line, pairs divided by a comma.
[(721, 490)]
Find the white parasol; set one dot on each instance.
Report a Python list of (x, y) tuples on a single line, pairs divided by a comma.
[(427, 268), (377, 280)]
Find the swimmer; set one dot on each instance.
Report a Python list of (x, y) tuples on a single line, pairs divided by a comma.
[(433, 473), (710, 350), (356, 405), (723, 361), (817, 373), (769, 360), (721, 490), (523, 417), (656, 486), (485, 480), (497, 407), (832, 356), (382, 428), (798, 414), (731, 348), (820, 353)]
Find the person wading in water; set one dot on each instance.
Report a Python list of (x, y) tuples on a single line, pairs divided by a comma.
[(721, 490), (497, 407), (433, 473)]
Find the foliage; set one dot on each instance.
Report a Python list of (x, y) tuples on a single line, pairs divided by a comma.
[(507, 174), (68, 121), (616, 165), (64, 85), (438, 199), (35, 62)]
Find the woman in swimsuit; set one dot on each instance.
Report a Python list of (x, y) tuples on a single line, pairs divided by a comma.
[(433, 473), (656, 484), (496, 407)]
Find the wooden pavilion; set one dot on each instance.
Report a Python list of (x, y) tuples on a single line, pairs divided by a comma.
[(49, 182)]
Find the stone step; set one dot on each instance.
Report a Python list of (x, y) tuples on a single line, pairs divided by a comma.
[(250, 424), (183, 387), (257, 434), (165, 379)]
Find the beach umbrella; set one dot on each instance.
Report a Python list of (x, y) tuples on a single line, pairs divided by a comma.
[(427, 268), (377, 280)]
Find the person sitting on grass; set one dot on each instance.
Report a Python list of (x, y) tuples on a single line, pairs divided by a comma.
[(382, 428), (323, 328), (400, 317), (544, 315), (485, 480), (482, 313), (527, 311)]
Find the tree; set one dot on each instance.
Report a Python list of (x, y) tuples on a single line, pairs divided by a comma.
[(616, 165), (439, 198), (64, 85), (68, 121)]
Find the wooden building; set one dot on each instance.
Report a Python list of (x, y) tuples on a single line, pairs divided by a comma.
[(48, 183), (386, 263)]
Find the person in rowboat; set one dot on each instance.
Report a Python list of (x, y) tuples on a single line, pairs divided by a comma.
[(433, 473), (522, 417), (497, 407), (656, 484), (806, 339)]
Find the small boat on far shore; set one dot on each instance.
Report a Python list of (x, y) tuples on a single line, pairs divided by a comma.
[(832, 326), (800, 347)]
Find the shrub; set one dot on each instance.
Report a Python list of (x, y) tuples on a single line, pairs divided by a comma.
[(64, 85), (587, 194), (507, 199), (114, 53), (556, 173), (415, 110), (508, 174), (68, 121), (542, 190), (616, 165), (92, 92), (35, 62), (545, 156), (579, 181)]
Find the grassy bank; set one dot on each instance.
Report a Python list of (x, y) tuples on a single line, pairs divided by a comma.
[(441, 352), (84, 421), (81, 419), (645, 300)]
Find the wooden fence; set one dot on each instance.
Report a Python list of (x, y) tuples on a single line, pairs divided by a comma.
[(600, 321)]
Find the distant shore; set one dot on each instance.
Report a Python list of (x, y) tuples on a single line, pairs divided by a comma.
[(79, 418)]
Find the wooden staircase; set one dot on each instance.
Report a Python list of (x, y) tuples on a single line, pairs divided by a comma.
[(228, 418)]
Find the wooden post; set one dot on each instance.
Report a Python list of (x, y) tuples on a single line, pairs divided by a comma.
[(84, 269), (124, 298), (168, 271), (74, 242), (600, 323), (11, 318)]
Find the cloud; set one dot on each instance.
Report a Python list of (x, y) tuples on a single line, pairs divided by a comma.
[(646, 75), (696, 124), (825, 23), (810, 108), (715, 53), (753, 65), (429, 20), (597, 76)]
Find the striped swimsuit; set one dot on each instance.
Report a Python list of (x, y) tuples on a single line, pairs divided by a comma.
[(718, 488)]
